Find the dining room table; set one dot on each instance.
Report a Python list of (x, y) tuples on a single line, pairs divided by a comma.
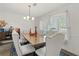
[(36, 41)]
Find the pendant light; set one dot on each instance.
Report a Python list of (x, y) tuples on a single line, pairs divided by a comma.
[(29, 17)]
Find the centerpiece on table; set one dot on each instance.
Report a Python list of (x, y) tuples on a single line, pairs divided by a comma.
[(33, 34)]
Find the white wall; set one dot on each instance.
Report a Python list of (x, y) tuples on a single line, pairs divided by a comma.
[(16, 20), (73, 23)]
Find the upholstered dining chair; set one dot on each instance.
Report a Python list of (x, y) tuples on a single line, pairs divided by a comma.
[(21, 50), (54, 44)]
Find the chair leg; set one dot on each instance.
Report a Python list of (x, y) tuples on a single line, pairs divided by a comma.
[(12, 51), (35, 54)]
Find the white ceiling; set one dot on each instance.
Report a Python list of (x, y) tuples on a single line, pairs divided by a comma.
[(22, 8)]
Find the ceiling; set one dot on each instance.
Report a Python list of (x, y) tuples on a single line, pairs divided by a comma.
[(22, 8)]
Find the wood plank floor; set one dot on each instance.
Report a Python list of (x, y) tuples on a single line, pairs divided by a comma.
[(5, 49)]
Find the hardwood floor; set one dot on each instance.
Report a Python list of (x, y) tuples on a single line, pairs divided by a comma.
[(5, 50)]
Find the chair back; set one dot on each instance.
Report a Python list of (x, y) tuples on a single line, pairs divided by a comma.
[(54, 44), (15, 37)]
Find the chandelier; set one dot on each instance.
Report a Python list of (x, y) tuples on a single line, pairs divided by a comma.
[(29, 17)]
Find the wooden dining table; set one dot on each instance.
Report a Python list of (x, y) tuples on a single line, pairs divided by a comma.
[(36, 41)]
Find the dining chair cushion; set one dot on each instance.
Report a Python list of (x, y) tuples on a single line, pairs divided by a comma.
[(41, 51), (23, 42), (26, 49)]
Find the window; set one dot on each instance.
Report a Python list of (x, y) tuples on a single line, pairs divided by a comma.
[(59, 23), (56, 22)]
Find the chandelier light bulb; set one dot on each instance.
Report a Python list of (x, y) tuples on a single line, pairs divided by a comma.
[(28, 17), (24, 17), (33, 18)]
